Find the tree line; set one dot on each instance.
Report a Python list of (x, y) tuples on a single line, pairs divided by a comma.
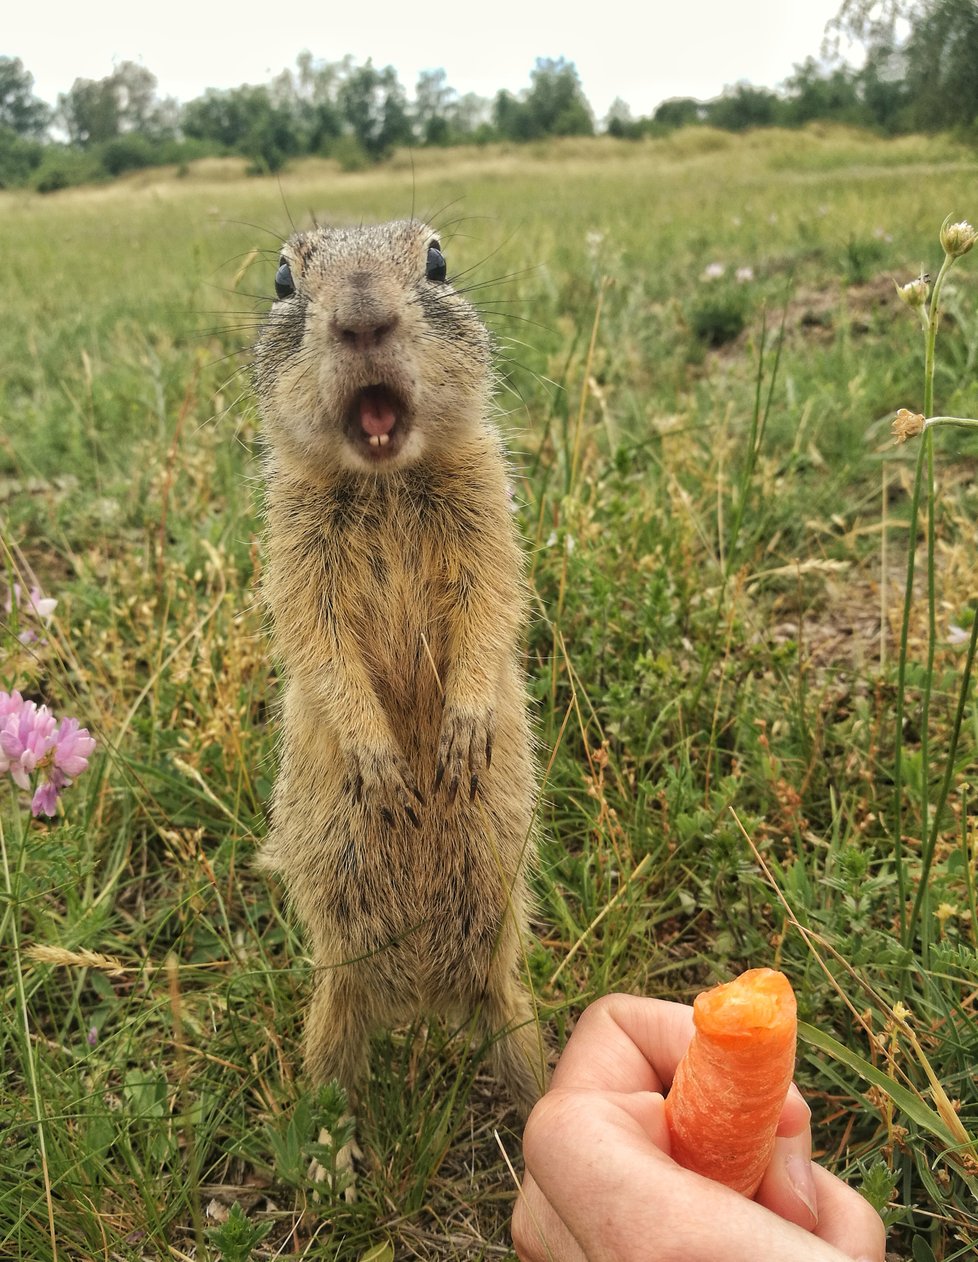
[(359, 113)]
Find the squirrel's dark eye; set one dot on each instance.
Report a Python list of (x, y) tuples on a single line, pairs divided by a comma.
[(437, 268), (284, 284)]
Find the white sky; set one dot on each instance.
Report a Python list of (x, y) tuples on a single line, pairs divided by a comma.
[(642, 52)]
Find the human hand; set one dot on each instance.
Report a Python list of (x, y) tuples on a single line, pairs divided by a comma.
[(601, 1187)]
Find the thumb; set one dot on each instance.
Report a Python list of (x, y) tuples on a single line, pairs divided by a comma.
[(788, 1186)]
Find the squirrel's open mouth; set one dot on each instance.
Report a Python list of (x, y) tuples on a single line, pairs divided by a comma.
[(377, 421)]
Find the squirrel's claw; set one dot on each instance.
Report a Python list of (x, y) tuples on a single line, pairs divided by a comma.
[(465, 750)]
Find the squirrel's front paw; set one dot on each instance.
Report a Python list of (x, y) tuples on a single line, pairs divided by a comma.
[(465, 749), (382, 781)]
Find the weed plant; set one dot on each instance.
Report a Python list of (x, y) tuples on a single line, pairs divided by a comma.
[(751, 664)]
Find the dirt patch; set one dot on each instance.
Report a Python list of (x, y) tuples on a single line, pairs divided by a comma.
[(844, 631), (819, 313)]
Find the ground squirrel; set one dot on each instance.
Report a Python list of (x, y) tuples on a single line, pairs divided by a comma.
[(401, 820)]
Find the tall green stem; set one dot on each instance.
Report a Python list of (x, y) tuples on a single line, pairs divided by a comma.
[(931, 846), (902, 692), (930, 346), (12, 889), (925, 457), (924, 903)]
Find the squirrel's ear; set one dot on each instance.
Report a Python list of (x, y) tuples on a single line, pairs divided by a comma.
[(284, 284), (437, 268)]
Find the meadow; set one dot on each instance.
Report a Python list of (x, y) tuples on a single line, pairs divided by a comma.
[(757, 723)]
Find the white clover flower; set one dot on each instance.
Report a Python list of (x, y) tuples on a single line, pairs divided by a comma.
[(713, 271)]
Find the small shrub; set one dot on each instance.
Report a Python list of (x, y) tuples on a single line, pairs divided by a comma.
[(718, 314), (349, 153), (62, 167), (128, 153), (18, 158), (237, 1237), (861, 259)]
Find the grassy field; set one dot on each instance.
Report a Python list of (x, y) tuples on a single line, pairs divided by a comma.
[(718, 521)]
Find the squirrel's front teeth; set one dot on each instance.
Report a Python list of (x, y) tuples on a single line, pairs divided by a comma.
[(379, 440)]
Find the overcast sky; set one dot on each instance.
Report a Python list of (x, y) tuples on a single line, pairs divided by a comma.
[(642, 52)]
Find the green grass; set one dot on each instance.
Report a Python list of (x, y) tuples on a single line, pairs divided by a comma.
[(715, 525)]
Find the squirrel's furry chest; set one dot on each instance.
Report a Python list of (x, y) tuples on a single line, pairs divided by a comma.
[(401, 622), (385, 570)]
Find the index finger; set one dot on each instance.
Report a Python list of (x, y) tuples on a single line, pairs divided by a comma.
[(633, 1043), (625, 1043)]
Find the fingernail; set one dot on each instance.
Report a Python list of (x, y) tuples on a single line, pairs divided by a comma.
[(799, 1173), (793, 1091)]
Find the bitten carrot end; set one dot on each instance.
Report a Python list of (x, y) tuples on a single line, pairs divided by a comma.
[(726, 1099)]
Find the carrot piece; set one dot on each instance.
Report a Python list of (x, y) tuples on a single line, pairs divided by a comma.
[(726, 1098)]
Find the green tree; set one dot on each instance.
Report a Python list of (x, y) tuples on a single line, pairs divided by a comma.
[(21, 112), (556, 103), (883, 89), (90, 111), (309, 95), (396, 127), (469, 115), (510, 117), (245, 120), (373, 105), (942, 65), (20, 156), (744, 106), (816, 92), (434, 102), (619, 121), (872, 23), (135, 94), (97, 110), (925, 78), (679, 111)]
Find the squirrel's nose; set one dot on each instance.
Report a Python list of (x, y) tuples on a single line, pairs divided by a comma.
[(366, 333), (363, 318)]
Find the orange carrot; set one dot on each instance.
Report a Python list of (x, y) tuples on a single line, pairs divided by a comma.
[(726, 1098)]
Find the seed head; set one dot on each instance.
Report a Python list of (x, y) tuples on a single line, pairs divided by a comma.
[(957, 238), (915, 292), (907, 424)]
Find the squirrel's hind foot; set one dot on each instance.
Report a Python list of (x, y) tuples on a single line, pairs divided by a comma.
[(340, 1177)]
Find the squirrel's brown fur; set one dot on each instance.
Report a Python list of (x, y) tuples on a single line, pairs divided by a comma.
[(402, 814)]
